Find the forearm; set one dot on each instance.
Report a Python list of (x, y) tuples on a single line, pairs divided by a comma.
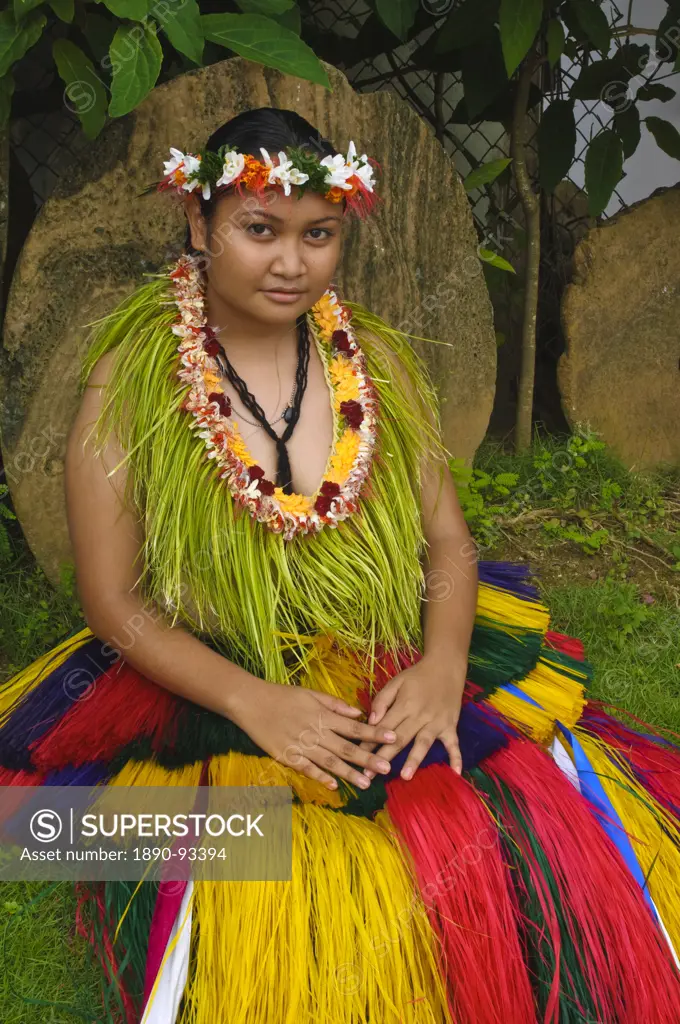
[(450, 598), (173, 657)]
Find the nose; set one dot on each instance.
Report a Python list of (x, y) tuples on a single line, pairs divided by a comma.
[(288, 260)]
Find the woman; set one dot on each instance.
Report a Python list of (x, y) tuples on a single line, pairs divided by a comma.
[(280, 589)]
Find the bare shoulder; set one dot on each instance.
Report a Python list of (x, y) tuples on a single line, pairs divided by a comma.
[(101, 371), (91, 402)]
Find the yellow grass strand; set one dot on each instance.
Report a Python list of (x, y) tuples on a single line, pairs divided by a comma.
[(654, 834)]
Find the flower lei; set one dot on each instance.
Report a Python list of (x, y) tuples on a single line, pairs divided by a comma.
[(354, 410), (335, 177)]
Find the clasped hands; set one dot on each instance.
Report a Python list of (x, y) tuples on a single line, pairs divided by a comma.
[(321, 736)]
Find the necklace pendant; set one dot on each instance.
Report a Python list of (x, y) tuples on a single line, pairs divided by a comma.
[(287, 414)]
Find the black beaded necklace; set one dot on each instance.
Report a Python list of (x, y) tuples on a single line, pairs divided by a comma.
[(291, 413)]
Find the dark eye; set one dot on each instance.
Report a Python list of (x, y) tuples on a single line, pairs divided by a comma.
[(327, 231), (258, 225)]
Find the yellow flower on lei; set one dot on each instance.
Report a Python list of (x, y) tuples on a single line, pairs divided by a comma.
[(212, 381), (345, 383), (344, 456), (296, 504), (326, 314), (238, 446)]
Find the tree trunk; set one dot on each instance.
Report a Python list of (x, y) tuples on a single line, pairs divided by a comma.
[(532, 212)]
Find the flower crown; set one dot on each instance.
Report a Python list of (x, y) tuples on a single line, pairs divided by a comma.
[(334, 177)]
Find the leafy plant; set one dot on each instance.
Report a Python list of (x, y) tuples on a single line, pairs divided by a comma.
[(111, 53), (570, 490), (506, 53)]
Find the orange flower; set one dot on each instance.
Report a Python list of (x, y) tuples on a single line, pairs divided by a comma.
[(325, 313), (238, 446), (344, 456), (255, 173), (296, 504), (212, 381), (345, 383)]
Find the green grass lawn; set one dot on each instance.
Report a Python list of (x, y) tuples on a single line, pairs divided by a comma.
[(607, 549)]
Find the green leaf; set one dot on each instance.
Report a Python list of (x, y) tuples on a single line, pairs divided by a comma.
[(84, 92), (99, 32), (603, 167), (655, 91), (292, 20), (133, 10), (6, 92), (607, 80), (594, 23), (666, 135), (485, 174), (64, 9), (466, 24), (595, 79), (520, 21), (24, 7), (666, 38), (556, 143), (491, 257), (265, 6), (136, 57), (398, 15), (264, 41), (555, 38), (181, 22), (483, 73), (16, 40), (632, 59), (627, 127)]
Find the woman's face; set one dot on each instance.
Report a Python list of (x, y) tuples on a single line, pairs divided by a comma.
[(255, 247)]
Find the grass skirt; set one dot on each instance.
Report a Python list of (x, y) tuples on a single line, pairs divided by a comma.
[(542, 885)]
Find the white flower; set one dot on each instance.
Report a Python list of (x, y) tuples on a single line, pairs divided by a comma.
[(285, 173), (362, 170), (177, 159), (338, 171), (341, 169), (187, 164), (233, 166)]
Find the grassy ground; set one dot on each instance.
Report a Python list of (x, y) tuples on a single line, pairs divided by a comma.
[(606, 547)]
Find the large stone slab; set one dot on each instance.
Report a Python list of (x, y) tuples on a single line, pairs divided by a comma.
[(414, 263), (621, 369)]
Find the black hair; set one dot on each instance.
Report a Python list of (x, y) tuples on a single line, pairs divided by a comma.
[(272, 128)]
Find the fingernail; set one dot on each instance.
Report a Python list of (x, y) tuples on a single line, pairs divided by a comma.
[(364, 783), (368, 773), (390, 736), (371, 718), (407, 773), (384, 766)]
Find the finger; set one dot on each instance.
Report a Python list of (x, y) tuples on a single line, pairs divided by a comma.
[(330, 762), (384, 700), (393, 719), (338, 705), (423, 742), (360, 731), (312, 771), (407, 730), (450, 740), (354, 754)]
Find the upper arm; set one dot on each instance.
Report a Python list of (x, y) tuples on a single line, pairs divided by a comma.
[(106, 535)]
